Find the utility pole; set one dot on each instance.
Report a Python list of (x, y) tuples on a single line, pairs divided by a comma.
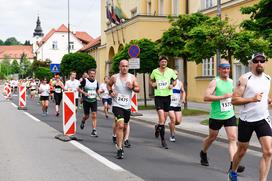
[(218, 55), (68, 26)]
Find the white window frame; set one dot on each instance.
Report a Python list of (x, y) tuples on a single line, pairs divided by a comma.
[(175, 7), (207, 4), (148, 7), (54, 45), (72, 45), (161, 7), (208, 67)]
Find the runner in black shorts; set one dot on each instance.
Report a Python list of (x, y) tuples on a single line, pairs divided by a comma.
[(254, 115), (58, 89)]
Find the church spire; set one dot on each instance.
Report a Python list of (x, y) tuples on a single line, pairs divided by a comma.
[(38, 29)]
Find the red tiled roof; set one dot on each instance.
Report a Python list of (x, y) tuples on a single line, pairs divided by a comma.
[(62, 28), (16, 51), (47, 36), (91, 44), (83, 36)]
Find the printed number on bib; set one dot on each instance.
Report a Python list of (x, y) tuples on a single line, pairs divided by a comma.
[(175, 99), (92, 94), (122, 100), (162, 84), (226, 105), (58, 90)]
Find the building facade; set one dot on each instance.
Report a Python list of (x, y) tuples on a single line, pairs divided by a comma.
[(148, 19)]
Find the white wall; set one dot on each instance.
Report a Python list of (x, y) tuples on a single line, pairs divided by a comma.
[(46, 51)]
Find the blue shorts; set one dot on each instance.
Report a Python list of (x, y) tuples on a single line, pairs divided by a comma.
[(108, 101)]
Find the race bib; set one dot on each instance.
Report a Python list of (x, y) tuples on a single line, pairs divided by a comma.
[(92, 94), (225, 105), (175, 100), (122, 100), (58, 90), (162, 84)]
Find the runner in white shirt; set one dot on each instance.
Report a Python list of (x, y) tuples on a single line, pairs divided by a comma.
[(72, 85), (104, 93), (44, 91), (32, 89)]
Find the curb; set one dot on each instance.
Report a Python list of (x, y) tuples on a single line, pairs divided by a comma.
[(191, 132)]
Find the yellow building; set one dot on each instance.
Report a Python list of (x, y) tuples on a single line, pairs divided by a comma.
[(148, 19)]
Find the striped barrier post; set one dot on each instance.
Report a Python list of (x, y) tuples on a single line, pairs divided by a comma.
[(22, 97), (134, 105), (8, 91), (69, 113)]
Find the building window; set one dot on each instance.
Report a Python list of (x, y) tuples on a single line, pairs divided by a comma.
[(72, 46), (148, 8), (54, 45), (208, 67), (175, 7), (205, 4), (133, 12), (161, 8)]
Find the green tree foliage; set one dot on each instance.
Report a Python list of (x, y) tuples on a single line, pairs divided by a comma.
[(37, 63), (12, 41), (25, 67), (79, 62), (260, 21), (43, 72), (5, 66), (1, 42), (148, 56), (27, 42), (15, 67)]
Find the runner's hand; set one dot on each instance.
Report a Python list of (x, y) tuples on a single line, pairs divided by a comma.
[(154, 84), (258, 97), (129, 85), (170, 86), (227, 96), (270, 102)]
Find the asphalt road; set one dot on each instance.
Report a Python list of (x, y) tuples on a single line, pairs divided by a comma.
[(146, 159)]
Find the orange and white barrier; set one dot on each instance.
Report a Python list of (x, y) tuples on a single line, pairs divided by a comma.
[(134, 103), (22, 97), (69, 113), (7, 90)]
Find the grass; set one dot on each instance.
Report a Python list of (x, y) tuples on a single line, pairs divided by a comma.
[(185, 112), (205, 122)]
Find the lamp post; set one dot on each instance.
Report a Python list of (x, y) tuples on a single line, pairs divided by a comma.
[(218, 55), (68, 26)]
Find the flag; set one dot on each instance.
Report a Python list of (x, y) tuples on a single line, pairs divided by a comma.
[(109, 17), (115, 18)]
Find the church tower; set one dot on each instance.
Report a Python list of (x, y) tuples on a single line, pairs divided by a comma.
[(37, 35)]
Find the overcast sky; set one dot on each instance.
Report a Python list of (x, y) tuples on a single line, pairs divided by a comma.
[(18, 17)]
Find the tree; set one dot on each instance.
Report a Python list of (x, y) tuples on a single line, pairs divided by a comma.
[(15, 67), (27, 42), (25, 67), (43, 72), (148, 56), (173, 41), (5, 65), (79, 62), (260, 21), (1, 42), (12, 41)]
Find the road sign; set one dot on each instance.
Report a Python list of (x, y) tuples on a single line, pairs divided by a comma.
[(134, 63), (54, 68), (134, 51)]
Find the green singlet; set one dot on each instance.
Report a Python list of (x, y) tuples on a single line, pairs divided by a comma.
[(222, 109)]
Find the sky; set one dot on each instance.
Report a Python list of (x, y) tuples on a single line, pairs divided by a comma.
[(18, 17)]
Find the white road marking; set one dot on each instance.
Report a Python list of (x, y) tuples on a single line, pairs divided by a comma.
[(14, 105), (32, 117), (98, 157)]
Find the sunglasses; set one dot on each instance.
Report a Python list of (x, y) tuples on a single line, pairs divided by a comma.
[(255, 61)]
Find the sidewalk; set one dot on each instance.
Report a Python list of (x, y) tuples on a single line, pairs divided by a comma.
[(191, 124)]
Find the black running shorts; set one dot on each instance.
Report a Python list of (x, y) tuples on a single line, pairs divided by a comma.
[(121, 113), (162, 103), (175, 109), (89, 105), (58, 98), (216, 124)]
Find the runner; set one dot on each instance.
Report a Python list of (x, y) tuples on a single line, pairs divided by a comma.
[(51, 84), (72, 85), (162, 79), (219, 92), (175, 113), (106, 99), (90, 89), (124, 83), (252, 92), (44, 91), (33, 87), (58, 87)]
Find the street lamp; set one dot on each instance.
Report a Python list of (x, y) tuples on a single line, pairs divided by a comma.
[(68, 26)]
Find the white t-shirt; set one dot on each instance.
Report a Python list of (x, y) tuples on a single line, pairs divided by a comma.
[(44, 89), (72, 86), (33, 85), (105, 94)]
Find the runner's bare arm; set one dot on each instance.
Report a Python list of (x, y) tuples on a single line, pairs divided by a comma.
[(110, 84), (237, 98), (183, 96), (152, 83), (136, 87), (209, 93)]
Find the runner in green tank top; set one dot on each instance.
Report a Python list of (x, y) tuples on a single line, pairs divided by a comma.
[(219, 92)]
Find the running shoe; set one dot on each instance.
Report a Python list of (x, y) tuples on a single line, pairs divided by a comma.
[(127, 144), (157, 132), (164, 145), (240, 168), (232, 176), (82, 124), (94, 133), (57, 114), (172, 139), (204, 159), (114, 139), (120, 154)]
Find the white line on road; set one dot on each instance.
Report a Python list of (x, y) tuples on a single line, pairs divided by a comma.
[(14, 105), (32, 117), (97, 156)]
